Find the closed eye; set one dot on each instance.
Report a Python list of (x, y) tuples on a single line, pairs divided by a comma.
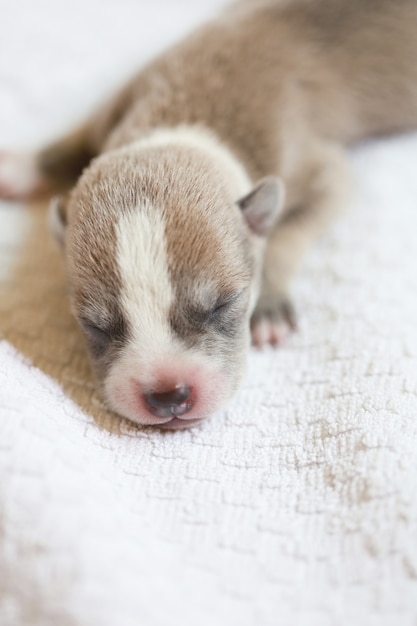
[(221, 317), (223, 304), (218, 310), (98, 338)]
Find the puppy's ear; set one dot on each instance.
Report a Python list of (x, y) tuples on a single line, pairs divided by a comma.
[(58, 219), (263, 205)]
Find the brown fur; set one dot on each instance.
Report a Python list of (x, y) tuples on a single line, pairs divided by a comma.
[(281, 83), (284, 84)]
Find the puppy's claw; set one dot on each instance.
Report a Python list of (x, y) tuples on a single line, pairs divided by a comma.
[(272, 321)]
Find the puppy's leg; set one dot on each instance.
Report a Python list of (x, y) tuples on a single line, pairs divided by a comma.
[(24, 175), (321, 191)]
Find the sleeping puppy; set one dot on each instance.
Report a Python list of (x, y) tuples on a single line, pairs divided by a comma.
[(179, 239)]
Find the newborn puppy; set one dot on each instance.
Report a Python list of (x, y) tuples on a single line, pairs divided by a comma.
[(162, 262), (177, 235)]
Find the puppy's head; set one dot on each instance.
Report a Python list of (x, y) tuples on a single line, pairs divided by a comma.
[(163, 265)]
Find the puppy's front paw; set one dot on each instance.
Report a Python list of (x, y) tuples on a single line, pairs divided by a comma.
[(273, 320), (19, 176)]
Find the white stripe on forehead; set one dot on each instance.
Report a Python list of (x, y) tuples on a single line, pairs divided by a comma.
[(146, 293), (204, 140)]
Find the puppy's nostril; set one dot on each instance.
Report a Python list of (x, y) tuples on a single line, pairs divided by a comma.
[(173, 403), (167, 398)]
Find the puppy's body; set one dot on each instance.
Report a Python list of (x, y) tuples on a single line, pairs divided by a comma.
[(165, 239)]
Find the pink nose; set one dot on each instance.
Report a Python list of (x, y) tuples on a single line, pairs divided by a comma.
[(173, 403)]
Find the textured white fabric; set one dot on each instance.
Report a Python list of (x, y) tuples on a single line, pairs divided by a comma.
[(296, 505)]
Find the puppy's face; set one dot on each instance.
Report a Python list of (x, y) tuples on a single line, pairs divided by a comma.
[(163, 268)]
